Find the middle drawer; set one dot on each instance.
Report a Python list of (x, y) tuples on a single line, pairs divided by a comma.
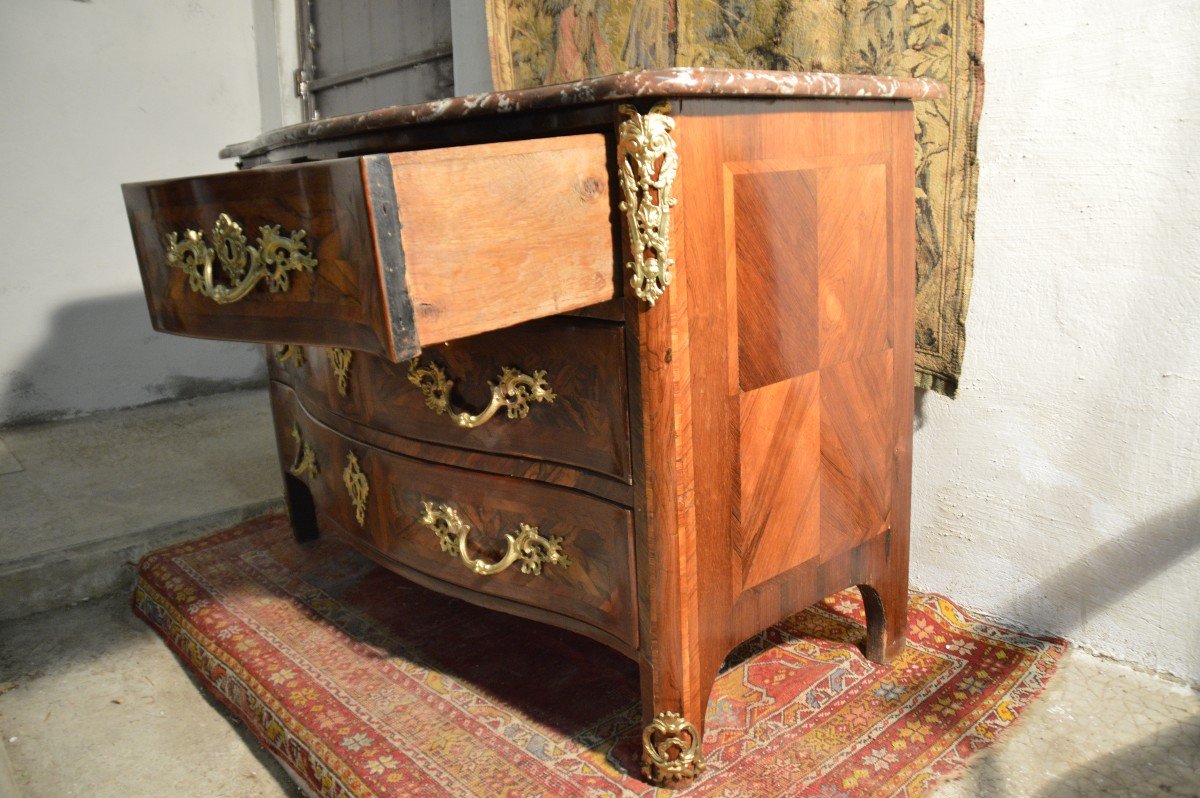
[(556, 387)]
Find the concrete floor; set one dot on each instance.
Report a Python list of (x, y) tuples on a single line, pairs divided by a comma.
[(93, 704), (1100, 729), (98, 707), (81, 500)]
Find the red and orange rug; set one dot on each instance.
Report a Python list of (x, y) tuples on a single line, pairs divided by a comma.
[(363, 684)]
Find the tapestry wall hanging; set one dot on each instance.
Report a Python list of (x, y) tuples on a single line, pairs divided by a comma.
[(538, 42)]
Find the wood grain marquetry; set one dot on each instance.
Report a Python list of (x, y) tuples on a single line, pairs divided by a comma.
[(812, 282), (774, 214), (781, 498), (779, 363), (855, 303), (857, 451), (810, 252)]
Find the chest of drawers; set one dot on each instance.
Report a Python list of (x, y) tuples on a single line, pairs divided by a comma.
[(631, 356)]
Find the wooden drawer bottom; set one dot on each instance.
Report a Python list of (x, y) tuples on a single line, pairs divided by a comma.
[(526, 542)]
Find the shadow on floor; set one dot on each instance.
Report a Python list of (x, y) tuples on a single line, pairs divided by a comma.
[(103, 639), (1163, 763)]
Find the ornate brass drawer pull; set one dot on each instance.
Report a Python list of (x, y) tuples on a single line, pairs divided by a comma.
[(513, 392), (357, 486), (244, 265), (528, 547), (290, 353), (305, 462), (340, 360)]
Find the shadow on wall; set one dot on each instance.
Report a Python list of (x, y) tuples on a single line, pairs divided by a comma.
[(1111, 571), (919, 408), (102, 354)]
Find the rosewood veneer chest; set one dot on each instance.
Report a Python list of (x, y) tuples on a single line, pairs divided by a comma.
[(630, 356)]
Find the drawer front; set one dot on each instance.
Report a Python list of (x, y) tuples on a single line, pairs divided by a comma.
[(381, 253), (569, 553), (585, 423)]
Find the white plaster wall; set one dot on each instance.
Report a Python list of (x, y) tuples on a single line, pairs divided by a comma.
[(469, 34), (278, 46), (95, 94), (1061, 490)]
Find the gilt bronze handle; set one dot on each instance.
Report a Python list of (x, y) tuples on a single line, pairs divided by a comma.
[(529, 547), (357, 486), (513, 391), (245, 266), (305, 462)]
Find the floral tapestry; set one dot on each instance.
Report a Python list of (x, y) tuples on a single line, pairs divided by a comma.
[(536, 42)]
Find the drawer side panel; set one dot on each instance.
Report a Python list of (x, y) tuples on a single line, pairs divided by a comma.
[(496, 234)]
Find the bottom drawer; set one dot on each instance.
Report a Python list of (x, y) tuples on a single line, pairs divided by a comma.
[(540, 545)]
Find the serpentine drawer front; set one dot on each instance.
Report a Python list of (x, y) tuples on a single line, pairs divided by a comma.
[(445, 395), (632, 356), (381, 253), (419, 514)]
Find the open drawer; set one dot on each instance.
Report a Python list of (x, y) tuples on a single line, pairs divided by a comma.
[(379, 253)]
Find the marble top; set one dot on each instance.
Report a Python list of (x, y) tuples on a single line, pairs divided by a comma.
[(681, 82)]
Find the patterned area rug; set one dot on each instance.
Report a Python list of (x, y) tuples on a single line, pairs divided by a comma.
[(363, 684)]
